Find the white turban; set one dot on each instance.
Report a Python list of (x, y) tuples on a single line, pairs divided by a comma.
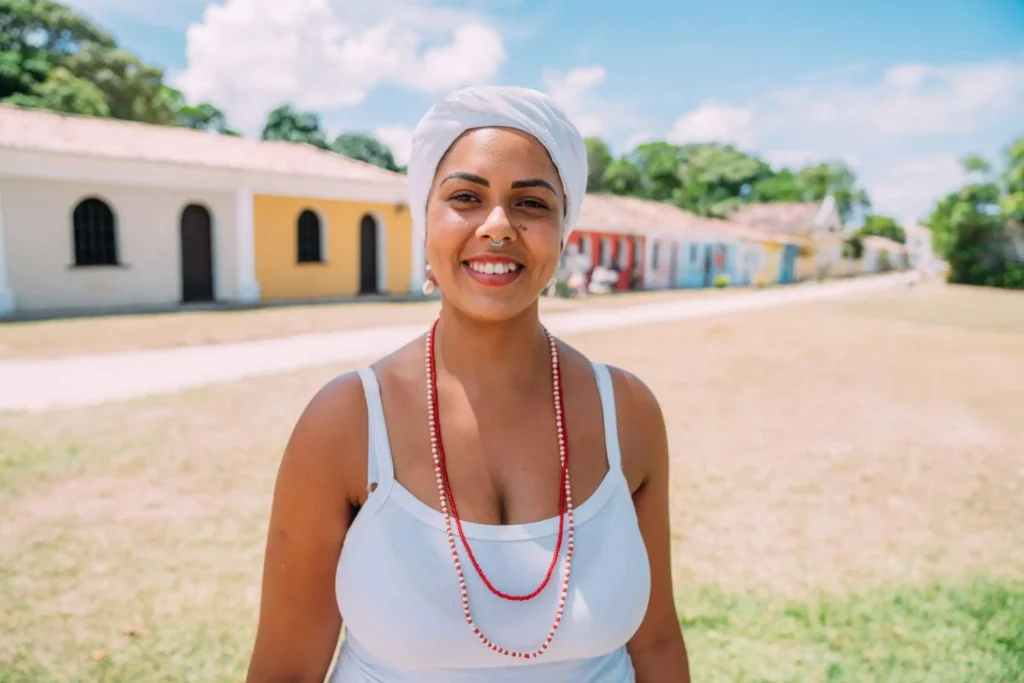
[(522, 109)]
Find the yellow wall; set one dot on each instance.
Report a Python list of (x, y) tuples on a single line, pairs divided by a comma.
[(275, 225), (769, 273)]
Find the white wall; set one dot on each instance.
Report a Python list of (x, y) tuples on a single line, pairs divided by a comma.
[(40, 245), (919, 248), (657, 272)]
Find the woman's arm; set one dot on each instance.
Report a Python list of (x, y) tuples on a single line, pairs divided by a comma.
[(657, 648), (313, 505)]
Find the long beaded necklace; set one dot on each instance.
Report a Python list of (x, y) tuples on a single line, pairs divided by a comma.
[(449, 510)]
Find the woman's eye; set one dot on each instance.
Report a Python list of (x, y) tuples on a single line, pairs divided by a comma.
[(463, 197), (534, 204)]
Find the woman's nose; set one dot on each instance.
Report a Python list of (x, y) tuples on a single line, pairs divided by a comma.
[(497, 227)]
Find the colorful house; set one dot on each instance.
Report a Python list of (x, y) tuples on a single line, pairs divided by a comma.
[(810, 235), (610, 232), (99, 214)]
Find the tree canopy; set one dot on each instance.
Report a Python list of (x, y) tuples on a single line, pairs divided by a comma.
[(978, 229)]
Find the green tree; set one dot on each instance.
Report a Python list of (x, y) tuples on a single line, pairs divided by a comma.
[(35, 37), (133, 91), (837, 178), (714, 179), (285, 123), (658, 165), (883, 226), (365, 148), (972, 233), (1013, 183), (783, 186), (599, 158), (622, 178), (63, 91)]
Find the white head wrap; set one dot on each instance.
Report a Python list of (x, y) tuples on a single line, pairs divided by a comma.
[(522, 109)]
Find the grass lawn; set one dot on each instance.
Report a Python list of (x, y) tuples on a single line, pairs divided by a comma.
[(848, 496), (61, 337)]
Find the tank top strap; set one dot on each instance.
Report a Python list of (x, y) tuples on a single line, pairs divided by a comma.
[(380, 468), (611, 428)]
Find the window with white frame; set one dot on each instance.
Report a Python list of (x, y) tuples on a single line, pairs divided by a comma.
[(623, 253)]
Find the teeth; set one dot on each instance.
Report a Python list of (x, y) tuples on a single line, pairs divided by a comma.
[(491, 268)]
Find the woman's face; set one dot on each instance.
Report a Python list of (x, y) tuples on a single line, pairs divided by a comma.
[(495, 185)]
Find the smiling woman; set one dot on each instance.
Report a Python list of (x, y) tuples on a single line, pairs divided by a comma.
[(485, 503)]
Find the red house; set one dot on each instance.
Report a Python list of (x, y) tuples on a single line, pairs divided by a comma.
[(609, 233)]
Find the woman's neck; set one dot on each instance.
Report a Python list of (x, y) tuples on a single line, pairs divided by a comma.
[(487, 354)]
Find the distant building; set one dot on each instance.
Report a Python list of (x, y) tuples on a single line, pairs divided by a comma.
[(920, 255), (816, 225), (611, 233), (99, 214), (882, 254)]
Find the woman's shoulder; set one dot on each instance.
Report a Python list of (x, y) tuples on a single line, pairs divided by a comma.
[(329, 439), (639, 419), (634, 399), (330, 436)]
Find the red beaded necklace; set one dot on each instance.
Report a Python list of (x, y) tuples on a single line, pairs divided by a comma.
[(448, 503)]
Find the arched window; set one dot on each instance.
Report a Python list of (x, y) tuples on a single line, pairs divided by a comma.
[(310, 238), (94, 234)]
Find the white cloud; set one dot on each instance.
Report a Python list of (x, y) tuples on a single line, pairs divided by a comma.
[(637, 139), (908, 99), (797, 157), (576, 90), (399, 139), (910, 189), (894, 129), (573, 90), (248, 56), (715, 122)]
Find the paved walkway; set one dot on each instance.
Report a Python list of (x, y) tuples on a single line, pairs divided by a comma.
[(37, 385)]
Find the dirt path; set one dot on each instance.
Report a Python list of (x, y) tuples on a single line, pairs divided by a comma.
[(35, 385)]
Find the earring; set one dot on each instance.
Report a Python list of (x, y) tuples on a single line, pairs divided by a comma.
[(428, 286), (551, 287)]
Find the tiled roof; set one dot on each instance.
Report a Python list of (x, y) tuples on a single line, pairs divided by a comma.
[(631, 215), (45, 131), (780, 218)]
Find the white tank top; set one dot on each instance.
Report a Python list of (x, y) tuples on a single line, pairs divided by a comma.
[(401, 604)]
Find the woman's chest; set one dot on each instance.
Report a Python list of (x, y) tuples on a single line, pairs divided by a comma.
[(399, 595)]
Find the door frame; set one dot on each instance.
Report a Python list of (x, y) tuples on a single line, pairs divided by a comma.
[(380, 254), (213, 251)]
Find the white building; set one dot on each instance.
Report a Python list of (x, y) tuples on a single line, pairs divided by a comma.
[(920, 255)]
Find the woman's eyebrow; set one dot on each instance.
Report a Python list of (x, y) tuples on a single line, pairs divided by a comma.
[(460, 175), (534, 182)]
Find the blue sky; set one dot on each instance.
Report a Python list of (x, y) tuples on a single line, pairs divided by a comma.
[(898, 91)]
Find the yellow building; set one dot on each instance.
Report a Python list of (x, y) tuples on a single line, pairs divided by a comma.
[(308, 248), (768, 274)]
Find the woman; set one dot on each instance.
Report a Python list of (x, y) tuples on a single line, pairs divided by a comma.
[(485, 504)]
